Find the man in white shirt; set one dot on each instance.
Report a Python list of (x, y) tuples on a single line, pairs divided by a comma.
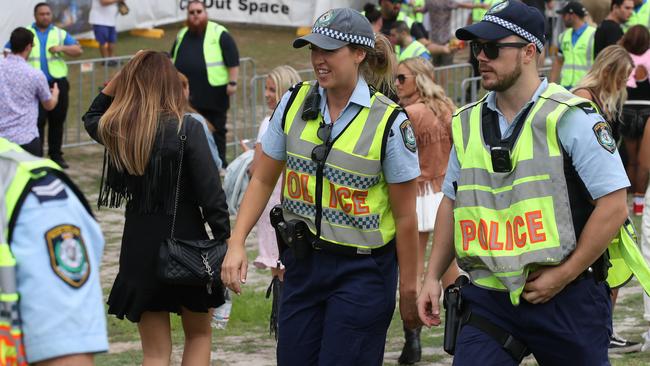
[(103, 17)]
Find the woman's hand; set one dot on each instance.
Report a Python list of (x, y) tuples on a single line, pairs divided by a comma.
[(235, 266)]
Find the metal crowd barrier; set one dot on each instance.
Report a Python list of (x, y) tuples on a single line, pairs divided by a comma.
[(450, 78), (258, 109)]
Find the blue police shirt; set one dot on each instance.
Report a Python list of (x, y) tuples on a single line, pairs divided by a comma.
[(577, 33), (42, 39), (400, 164), (58, 249), (601, 171)]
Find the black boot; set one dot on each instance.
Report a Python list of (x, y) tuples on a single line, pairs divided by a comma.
[(412, 351)]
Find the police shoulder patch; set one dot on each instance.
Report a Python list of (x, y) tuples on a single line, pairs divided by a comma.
[(408, 135), (604, 136), (68, 254)]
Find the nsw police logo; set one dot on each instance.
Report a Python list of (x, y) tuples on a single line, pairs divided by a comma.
[(68, 254), (498, 7), (604, 136), (408, 135), (325, 19)]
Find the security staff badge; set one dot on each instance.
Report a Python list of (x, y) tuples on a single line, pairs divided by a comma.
[(408, 135), (604, 136), (68, 254)]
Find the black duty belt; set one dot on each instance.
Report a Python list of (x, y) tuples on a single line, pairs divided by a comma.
[(328, 247)]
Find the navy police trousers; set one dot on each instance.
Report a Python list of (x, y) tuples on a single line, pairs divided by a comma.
[(573, 328), (336, 310)]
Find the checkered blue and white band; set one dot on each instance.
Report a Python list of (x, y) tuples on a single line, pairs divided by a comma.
[(345, 37), (516, 29)]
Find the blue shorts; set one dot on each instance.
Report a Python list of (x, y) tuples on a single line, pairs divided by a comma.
[(105, 34)]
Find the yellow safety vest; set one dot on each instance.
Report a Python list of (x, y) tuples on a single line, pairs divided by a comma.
[(507, 225), (216, 68), (642, 17), (55, 63), (415, 49), (479, 13), (18, 169), (356, 211), (577, 59), (410, 10)]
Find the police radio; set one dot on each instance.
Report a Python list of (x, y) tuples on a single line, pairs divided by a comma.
[(311, 108)]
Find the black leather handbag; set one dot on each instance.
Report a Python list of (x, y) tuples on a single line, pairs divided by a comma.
[(190, 262)]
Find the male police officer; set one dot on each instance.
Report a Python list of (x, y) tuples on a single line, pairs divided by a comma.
[(50, 44), (528, 160), (50, 252), (576, 53), (207, 55)]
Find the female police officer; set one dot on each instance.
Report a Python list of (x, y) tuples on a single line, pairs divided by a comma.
[(350, 165)]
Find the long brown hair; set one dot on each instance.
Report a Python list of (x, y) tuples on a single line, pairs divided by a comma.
[(431, 94), (147, 91)]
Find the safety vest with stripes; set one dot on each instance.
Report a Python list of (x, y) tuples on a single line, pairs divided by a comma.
[(577, 59), (353, 206), (641, 17), (415, 49), (507, 225), (212, 53), (55, 63), (479, 13), (17, 169)]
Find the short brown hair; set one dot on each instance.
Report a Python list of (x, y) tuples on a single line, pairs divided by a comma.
[(637, 40)]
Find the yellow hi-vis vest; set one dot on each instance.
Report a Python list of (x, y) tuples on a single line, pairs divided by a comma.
[(507, 224), (216, 68), (415, 49), (356, 211), (642, 17), (55, 62), (577, 59), (17, 169), (410, 10), (479, 13)]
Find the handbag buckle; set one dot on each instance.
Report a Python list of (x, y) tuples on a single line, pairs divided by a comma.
[(209, 271)]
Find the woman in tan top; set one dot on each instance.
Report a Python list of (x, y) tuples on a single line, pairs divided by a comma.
[(429, 111)]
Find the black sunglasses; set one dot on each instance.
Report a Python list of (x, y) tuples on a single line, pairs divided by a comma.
[(319, 153), (491, 49), (196, 12), (402, 78)]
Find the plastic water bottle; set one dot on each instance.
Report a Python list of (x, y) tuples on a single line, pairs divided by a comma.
[(221, 314)]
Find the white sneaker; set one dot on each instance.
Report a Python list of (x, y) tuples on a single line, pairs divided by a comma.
[(646, 341)]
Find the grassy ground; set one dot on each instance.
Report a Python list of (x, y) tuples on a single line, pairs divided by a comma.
[(246, 340)]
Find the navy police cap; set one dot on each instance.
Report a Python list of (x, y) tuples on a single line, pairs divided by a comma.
[(507, 18)]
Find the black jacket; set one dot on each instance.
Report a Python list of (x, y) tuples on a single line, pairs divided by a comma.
[(154, 192)]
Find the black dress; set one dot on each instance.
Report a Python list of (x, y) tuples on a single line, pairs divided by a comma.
[(149, 205)]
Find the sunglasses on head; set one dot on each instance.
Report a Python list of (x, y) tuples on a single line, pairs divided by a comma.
[(196, 12), (402, 77), (491, 49), (319, 153)]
